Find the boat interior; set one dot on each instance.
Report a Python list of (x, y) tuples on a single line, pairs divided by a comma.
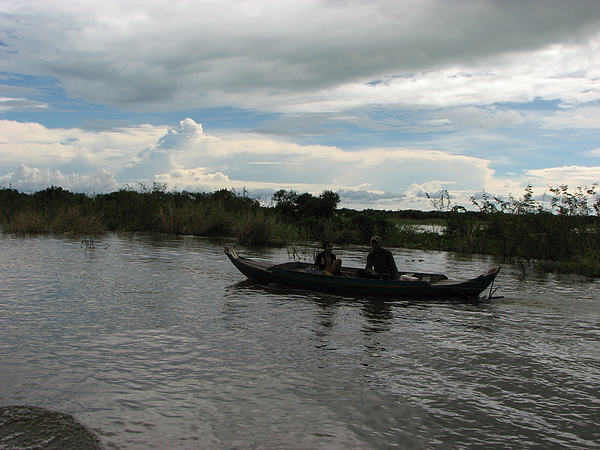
[(297, 266)]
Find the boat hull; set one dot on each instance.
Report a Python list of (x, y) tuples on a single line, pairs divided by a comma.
[(427, 285)]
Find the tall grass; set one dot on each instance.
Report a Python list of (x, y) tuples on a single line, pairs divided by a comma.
[(257, 228), (69, 220), (195, 219), (564, 236)]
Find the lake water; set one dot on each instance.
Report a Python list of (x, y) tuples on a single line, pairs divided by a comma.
[(159, 342)]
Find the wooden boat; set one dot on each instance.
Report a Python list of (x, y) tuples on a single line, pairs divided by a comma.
[(300, 274)]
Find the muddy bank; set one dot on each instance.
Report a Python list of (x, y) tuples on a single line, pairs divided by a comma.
[(38, 428)]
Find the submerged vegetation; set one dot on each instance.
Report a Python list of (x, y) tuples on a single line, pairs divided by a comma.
[(563, 236)]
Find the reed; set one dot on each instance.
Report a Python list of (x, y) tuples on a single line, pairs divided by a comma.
[(565, 236), (26, 222), (70, 220), (195, 219), (255, 229)]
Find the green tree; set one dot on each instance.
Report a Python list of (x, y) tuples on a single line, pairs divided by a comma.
[(329, 201), (285, 202), (580, 203)]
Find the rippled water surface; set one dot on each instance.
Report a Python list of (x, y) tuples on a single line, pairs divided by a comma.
[(158, 342)]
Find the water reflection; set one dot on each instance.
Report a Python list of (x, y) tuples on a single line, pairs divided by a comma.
[(378, 315), (326, 313)]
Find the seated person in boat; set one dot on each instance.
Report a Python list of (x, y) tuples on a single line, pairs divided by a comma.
[(380, 262), (326, 260)]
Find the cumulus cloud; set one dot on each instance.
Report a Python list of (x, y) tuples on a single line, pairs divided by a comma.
[(363, 198), (184, 157), (574, 176), (33, 144), (177, 138), (30, 179)]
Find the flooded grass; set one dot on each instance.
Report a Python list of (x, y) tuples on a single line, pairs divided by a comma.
[(564, 239)]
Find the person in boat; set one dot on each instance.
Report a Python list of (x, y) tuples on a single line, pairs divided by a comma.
[(326, 260), (380, 262)]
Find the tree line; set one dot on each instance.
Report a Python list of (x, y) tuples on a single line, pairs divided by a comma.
[(562, 233)]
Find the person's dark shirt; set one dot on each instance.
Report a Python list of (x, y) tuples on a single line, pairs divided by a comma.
[(321, 260), (382, 261)]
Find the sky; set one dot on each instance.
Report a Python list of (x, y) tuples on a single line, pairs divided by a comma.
[(382, 101)]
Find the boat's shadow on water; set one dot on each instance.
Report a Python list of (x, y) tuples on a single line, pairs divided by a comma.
[(379, 312), (294, 293)]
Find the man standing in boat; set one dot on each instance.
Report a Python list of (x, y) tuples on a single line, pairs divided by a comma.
[(380, 262)]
